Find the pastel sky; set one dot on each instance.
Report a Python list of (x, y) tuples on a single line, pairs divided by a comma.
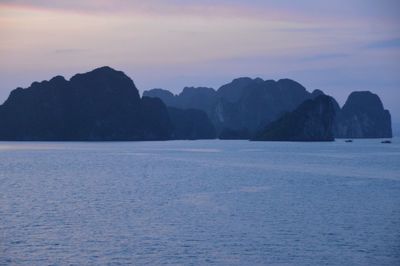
[(336, 46)]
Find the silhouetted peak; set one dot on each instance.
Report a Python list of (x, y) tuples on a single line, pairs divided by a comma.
[(363, 100), (104, 69), (158, 92), (58, 79), (191, 90), (106, 79), (102, 104), (269, 82), (233, 91), (241, 79), (35, 84), (287, 80), (53, 81), (290, 84), (101, 72), (317, 92), (363, 116), (247, 79), (15, 92), (324, 98), (313, 120), (244, 81)]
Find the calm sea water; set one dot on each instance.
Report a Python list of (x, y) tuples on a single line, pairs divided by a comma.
[(199, 203)]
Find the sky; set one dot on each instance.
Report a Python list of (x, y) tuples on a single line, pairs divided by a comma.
[(336, 46)]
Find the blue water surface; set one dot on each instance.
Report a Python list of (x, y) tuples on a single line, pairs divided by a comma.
[(199, 203)]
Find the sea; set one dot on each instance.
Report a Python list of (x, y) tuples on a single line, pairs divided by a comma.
[(205, 202)]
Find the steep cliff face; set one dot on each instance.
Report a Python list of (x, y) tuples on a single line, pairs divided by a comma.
[(201, 98), (103, 104), (191, 124), (166, 96), (363, 116), (313, 120), (187, 111), (242, 107), (233, 91), (155, 119), (259, 103)]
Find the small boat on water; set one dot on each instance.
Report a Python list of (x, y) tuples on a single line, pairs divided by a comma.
[(386, 141), (348, 140)]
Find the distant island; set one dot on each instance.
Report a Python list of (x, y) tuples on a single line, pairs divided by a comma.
[(313, 120), (105, 105)]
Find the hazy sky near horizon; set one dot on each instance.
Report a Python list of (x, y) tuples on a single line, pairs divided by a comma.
[(336, 46)]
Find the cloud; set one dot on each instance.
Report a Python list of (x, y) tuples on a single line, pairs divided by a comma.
[(304, 9), (384, 44), (154, 7), (175, 43), (325, 56), (70, 51)]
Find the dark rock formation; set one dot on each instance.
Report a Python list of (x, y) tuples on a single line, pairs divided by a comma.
[(201, 98), (103, 104), (166, 96), (363, 116), (259, 103), (317, 93), (191, 124), (241, 108), (313, 120), (244, 106), (157, 124), (233, 91)]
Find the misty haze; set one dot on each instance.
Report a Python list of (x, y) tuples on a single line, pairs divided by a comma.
[(199, 132)]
